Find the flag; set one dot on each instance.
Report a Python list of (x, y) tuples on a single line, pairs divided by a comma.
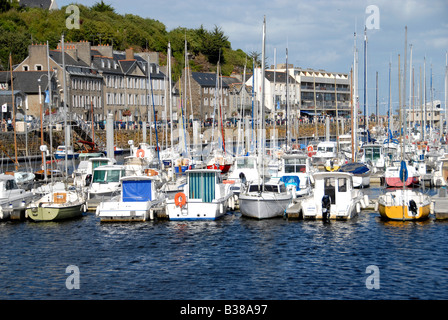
[(5, 107), (47, 96)]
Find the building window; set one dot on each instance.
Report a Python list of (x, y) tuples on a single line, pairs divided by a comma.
[(26, 67), (38, 67)]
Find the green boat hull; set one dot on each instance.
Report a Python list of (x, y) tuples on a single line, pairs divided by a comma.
[(52, 213)]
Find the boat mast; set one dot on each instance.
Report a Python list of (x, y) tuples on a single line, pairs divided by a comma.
[(13, 112), (171, 99), (365, 84), (67, 140), (286, 107), (262, 143), (446, 88), (352, 117)]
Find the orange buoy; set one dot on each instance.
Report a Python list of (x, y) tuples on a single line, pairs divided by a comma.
[(140, 153), (180, 199)]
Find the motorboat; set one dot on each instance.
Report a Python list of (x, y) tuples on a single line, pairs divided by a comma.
[(204, 197), (139, 196), (82, 175), (295, 172), (13, 200), (63, 152), (106, 183), (334, 197), (265, 199)]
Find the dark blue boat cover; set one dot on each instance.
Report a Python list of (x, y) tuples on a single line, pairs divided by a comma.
[(354, 167), (136, 190)]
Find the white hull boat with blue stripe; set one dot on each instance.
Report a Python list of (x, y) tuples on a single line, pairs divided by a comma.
[(204, 197)]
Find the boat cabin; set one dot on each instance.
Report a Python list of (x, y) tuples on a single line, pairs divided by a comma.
[(337, 185), (295, 163), (204, 184)]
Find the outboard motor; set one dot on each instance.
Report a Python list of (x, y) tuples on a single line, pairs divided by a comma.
[(326, 205), (413, 207)]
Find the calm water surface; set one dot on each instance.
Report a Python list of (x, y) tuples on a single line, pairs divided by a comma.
[(232, 258)]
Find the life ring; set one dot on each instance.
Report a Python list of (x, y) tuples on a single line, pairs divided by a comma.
[(140, 153), (180, 199), (310, 148)]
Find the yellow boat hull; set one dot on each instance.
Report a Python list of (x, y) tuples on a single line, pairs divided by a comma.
[(402, 212)]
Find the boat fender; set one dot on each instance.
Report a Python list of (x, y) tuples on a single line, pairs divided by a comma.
[(180, 199), (358, 207), (365, 201), (376, 206)]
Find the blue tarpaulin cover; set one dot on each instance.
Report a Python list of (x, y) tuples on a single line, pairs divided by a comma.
[(136, 190), (291, 180), (354, 167)]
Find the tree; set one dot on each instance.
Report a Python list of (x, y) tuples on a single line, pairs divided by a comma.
[(102, 7)]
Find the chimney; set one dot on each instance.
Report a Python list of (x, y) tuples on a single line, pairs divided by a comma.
[(130, 54)]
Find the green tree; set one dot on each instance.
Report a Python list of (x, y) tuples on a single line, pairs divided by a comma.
[(102, 7)]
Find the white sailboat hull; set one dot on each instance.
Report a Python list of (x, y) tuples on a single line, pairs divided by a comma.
[(264, 206)]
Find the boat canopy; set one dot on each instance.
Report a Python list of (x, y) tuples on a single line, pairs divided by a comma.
[(291, 180), (136, 190)]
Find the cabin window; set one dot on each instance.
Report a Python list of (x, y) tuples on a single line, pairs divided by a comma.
[(105, 176), (342, 185), (372, 153), (11, 184), (245, 163)]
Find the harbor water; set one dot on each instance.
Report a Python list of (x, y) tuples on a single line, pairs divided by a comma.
[(233, 258)]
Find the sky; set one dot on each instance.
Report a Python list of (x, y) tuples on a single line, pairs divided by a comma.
[(320, 35)]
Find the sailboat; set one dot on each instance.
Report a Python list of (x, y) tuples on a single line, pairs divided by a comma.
[(403, 204), (264, 199), (64, 203)]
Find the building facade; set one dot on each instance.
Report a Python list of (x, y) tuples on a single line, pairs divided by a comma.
[(100, 80)]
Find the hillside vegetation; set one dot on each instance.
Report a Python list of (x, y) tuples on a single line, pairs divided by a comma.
[(100, 24)]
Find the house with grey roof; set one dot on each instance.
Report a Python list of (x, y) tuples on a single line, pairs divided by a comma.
[(99, 80), (28, 88), (206, 95)]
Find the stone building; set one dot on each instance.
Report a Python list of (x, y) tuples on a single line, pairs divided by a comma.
[(203, 99), (100, 80)]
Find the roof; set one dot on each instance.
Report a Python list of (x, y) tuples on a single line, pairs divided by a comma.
[(26, 81), (208, 79), (45, 4), (56, 55), (279, 77)]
